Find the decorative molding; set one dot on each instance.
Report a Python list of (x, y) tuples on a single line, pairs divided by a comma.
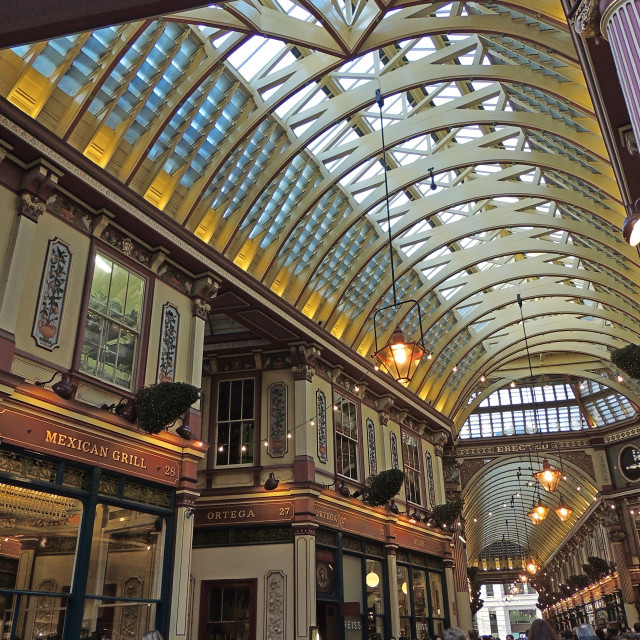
[(168, 343), (625, 434), (393, 441), (431, 487), (277, 426), (303, 372), (628, 139), (469, 451), (321, 420), (53, 288), (31, 207), (123, 243), (586, 19), (371, 447), (275, 605), (384, 418)]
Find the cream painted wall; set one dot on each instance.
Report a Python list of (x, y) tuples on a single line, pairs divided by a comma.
[(162, 294), (246, 562), (8, 207), (48, 228)]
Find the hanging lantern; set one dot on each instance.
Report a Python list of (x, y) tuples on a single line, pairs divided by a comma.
[(400, 357), (549, 477), (563, 511), (523, 577), (541, 510), (534, 517), (532, 566)]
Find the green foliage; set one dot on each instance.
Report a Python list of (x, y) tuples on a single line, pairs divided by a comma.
[(160, 405), (596, 568), (628, 359), (447, 513), (578, 582), (380, 488), (475, 584)]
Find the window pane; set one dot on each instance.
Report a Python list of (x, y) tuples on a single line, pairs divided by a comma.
[(229, 612), (40, 534), (126, 551), (40, 617), (224, 389), (435, 587), (236, 400), (111, 334), (118, 292), (235, 431), (116, 619)]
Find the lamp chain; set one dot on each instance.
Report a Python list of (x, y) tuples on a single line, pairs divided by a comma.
[(380, 102)]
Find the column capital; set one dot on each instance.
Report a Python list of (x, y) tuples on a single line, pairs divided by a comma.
[(304, 528), (31, 207)]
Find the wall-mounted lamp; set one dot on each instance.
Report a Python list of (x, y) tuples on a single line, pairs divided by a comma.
[(271, 482), (393, 507), (184, 431), (63, 388), (343, 490)]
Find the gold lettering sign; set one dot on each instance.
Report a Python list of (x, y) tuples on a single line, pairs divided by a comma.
[(94, 449)]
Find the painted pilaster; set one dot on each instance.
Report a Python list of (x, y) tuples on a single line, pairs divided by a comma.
[(449, 566), (205, 289), (180, 596), (394, 604), (38, 183), (304, 409), (620, 25), (305, 578)]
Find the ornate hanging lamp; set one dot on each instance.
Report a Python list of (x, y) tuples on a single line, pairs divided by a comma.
[(563, 511), (548, 477), (532, 566), (399, 357)]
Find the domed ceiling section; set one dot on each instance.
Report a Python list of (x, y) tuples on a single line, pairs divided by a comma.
[(254, 125)]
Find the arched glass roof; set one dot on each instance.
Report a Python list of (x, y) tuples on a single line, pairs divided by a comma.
[(547, 407), (254, 125)]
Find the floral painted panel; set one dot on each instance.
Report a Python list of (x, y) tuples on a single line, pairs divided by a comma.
[(395, 464), (321, 419), (53, 287), (168, 343), (276, 614), (431, 487), (371, 446), (277, 420)]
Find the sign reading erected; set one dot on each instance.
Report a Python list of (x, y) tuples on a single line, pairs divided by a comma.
[(96, 450)]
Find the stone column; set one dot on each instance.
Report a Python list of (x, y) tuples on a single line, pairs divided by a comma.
[(205, 289), (394, 605), (449, 566), (181, 580), (304, 357), (38, 183), (305, 578), (620, 25)]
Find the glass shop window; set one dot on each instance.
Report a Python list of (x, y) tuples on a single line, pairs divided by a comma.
[(420, 601), (111, 336), (230, 610), (412, 471), (38, 540), (404, 602), (436, 592), (125, 565), (235, 422), (375, 599), (345, 419)]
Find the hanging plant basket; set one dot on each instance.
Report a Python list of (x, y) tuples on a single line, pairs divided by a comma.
[(596, 568), (160, 405), (628, 359), (448, 513), (380, 488)]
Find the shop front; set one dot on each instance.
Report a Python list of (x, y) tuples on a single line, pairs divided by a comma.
[(86, 532)]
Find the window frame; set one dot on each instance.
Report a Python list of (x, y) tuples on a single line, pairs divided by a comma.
[(141, 356), (339, 394), (205, 589), (420, 470), (213, 421)]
